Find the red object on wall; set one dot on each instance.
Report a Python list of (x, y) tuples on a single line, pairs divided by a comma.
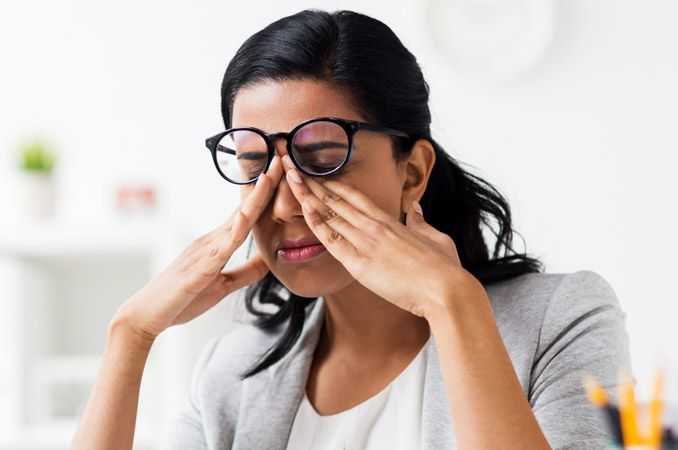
[(135, 197)]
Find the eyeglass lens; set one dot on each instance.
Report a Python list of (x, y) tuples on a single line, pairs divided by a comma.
[(318, 147)]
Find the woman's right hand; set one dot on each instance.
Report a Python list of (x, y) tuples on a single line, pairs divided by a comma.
[(194, 281)]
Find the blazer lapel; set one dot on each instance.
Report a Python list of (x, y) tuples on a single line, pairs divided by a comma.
[(270, 399)]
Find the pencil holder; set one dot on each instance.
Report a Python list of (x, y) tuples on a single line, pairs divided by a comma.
[(642, 425), (635, 447)]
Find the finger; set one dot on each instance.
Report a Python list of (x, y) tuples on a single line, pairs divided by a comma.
[(253, 270), (221, 243), (358, 199), (343, 208), (275, 171), (257, 200), (315, 200), (369, 230), (216, 291), (252, 207), (415, 221), (261, 194), (333, 240), (415, 217)]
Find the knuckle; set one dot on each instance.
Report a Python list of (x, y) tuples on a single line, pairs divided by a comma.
[(202, 276), (218, 251), (328, 197), (388, 233), (244, 216), (378, 229), (332, 217), (228, 226), (199, 241), (192, 284), (315, 219)]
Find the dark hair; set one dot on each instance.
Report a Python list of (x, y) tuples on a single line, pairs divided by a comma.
[(363, 56)]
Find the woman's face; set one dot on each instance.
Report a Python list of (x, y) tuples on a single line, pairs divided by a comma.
[(275, 106)]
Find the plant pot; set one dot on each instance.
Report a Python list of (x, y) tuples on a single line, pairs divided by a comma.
[(36, 195)]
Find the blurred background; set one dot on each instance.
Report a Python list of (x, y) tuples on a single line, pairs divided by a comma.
[(567, 107)]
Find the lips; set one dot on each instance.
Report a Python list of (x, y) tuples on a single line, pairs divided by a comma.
[(296, 243)]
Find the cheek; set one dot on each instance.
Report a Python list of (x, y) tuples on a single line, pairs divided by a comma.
[(386, 193), (262, 243)]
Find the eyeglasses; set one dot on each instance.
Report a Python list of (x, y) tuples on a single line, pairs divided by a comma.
[(318, 147)]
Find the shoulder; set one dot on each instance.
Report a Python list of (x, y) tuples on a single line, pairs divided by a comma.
[(546, 299), (539, 315)]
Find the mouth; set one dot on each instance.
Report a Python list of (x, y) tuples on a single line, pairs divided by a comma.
[(301, 250)]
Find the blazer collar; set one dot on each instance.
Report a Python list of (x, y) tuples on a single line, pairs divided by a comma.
[(270, 399)]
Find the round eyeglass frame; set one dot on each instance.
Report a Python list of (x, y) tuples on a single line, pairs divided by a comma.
[(350, 127)]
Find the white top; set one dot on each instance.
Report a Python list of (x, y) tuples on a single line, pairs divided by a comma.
[(389, 420)]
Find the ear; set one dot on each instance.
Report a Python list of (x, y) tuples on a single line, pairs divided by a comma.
[(415, 172)]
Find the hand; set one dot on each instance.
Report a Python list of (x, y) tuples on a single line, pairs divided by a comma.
[(410, 265), (194, 281)]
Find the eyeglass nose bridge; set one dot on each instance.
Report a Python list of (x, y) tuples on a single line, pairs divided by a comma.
[(281, 134)]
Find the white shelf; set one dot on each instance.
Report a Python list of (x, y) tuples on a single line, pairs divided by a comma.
[(68, 238), (62, 281)]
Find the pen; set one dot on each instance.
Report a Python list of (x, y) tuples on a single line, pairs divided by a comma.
[(669, 441)]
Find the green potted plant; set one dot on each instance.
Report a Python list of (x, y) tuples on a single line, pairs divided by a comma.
[(36, 161)]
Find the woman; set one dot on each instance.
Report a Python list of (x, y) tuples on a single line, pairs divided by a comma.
[(394, 327)]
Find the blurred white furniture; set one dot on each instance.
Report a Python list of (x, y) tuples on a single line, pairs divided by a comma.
[(60, 284)]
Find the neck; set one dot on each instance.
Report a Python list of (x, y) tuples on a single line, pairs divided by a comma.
[(360, 323)]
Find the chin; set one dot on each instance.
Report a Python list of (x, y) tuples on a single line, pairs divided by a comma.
[(310, 285)]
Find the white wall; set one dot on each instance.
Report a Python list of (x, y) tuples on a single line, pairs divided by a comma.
[(582, 145)]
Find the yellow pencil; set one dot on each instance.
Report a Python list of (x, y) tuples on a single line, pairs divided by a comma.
[(656, 407), (628, 412)]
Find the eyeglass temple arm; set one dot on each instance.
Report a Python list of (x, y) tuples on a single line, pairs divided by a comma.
[(221, 148), (384, 130), (209, 142), (243, 155)]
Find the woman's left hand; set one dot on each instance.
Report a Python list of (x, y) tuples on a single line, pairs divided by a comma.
[(412, 265)]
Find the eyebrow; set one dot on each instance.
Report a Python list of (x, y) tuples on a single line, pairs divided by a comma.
[(308, 148), (317, 146)]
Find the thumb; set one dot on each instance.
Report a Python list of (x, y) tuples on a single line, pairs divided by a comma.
[(254, 269), (417, 223)]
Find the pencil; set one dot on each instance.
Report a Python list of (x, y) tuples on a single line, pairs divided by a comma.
[(656, 407), (628, 412)]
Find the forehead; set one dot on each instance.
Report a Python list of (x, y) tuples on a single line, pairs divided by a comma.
[(280, 105)]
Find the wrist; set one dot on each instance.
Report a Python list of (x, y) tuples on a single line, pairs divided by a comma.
[(455, 299), (121, 330)]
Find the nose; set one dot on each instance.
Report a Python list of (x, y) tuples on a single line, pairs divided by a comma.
[(284, 205), (279, 145)]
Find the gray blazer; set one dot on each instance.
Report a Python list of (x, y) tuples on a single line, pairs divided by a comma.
[(556, 327)]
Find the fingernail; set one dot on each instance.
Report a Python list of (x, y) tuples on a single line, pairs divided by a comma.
[(287, 160), (294, 176), (417, 207)]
